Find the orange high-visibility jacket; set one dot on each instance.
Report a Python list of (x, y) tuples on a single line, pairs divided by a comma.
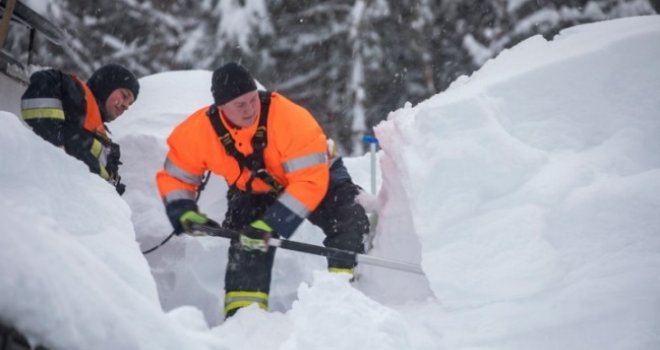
[(93, 121), (296, 156)]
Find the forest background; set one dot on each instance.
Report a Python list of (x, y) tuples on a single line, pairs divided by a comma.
[(350, 62)]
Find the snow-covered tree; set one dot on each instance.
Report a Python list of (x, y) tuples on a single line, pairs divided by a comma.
[(350, 62), (323, 52), (226, 30)]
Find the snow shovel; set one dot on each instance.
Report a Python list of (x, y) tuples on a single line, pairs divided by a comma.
[(339, 254)]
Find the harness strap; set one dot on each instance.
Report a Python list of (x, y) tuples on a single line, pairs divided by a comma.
[(255, 161)]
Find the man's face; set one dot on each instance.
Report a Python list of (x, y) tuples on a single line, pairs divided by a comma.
[(118, 102), (242, 111)]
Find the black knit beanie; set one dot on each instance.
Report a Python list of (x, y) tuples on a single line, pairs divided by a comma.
[(230, 81), (110, 78)]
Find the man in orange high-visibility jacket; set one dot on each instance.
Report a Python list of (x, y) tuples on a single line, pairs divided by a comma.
[(273, 155), (71, 114)]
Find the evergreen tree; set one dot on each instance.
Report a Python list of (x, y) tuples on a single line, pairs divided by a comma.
[(406, 70), (224, 31), (319, 52), (350, 62)]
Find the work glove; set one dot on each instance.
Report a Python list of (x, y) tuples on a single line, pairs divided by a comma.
[(112, 164), (120, 187), (112, 161), (255, 236), (191, 217)]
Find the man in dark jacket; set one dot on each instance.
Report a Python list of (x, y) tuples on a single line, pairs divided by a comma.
[(71, 114)]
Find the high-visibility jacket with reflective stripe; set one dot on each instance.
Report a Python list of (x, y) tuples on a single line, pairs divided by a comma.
[(296, 156), (63, 110)]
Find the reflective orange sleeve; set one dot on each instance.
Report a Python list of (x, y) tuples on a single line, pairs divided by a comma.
[(303, 154), (184, 166), (303, 148)]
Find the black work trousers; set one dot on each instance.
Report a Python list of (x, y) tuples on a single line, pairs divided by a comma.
[(343, 221)]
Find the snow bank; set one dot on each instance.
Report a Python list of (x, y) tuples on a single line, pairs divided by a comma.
[(529, 192), (72, 276), (534, 188)]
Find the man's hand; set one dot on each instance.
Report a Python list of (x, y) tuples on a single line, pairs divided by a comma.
[(256, 236), (112, 160), (192, 217), (120, 187)]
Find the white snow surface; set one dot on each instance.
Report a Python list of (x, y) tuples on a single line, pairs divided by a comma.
[(529, 193)]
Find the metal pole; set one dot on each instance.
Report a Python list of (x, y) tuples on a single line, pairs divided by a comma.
[(373, 142), (372, 149), (373, 215), (4, 25), (31, 46), (340, 254), (392, 264)]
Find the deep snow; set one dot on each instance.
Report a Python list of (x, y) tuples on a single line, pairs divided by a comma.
[(528, 192)]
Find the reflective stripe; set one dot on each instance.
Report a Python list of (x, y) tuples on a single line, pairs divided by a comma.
[(104, 173), (34, 103), (177, 195), (97, 148), (181, 174), (34, 108), (296, 206), (348, 271), (101, 153), (235, 300), (52, 113), (260, 224), (304, 162), (341, 270)]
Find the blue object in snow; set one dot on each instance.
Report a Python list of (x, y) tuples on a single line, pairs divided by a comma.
[(368, 139)]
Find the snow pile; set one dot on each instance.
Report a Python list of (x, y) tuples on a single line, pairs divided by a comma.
[(365, 324), (72, 276), (534, 187), (529, 193)]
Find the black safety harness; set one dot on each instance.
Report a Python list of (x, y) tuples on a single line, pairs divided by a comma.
[(253, 162)]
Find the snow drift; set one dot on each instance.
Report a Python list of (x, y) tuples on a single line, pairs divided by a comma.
[(529, 192)]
